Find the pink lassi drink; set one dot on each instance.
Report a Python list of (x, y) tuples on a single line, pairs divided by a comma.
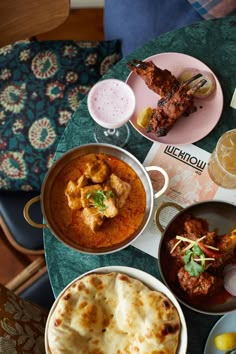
[(111, 103)]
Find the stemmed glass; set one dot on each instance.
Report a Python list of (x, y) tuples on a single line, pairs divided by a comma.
[(111, 103)]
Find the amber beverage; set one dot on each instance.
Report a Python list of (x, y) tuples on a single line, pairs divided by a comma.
[(222, 163)]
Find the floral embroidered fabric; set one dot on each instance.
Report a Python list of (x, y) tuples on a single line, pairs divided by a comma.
[(41, 85), (22, 325)]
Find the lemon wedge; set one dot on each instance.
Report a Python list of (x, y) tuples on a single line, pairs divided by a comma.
[(225, 341), (204, 91), (144, 117)]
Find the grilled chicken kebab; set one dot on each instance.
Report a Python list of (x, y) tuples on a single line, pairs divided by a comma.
[(156, 79), (176, 99)]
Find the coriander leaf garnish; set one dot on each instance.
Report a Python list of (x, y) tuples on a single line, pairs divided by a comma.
[(196, 254), (191, 266), (98, 197), (187, 256), (197, 250)]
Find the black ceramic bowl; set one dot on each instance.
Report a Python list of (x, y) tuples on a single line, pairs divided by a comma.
[(221, 218)]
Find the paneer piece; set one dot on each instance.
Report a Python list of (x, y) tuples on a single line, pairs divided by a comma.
[(92, 218), (98, 171), (87, 190), (121, 189), (110, 203), (72, 192)]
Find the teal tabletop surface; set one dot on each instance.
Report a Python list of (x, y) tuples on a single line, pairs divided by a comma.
[(214, 43)]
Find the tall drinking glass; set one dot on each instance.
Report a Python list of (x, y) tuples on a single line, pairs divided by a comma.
[(222, 163), (111, 103)]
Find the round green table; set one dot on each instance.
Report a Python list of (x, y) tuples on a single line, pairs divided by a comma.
[(214, 43)]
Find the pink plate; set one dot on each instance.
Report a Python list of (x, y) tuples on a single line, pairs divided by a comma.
[(186, 130)]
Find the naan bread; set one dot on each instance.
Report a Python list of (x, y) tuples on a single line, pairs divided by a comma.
[(113, 314)]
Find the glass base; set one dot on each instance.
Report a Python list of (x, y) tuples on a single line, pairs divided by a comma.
[(115, 136)]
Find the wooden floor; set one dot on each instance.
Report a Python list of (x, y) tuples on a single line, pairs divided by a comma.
[(83, 24)]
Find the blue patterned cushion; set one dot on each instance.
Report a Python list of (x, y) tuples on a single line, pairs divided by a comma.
[(41, 85)]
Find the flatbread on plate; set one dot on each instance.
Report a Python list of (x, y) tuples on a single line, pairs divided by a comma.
[(113, 313)]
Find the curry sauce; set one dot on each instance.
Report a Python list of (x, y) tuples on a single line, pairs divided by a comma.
[(114, 230)]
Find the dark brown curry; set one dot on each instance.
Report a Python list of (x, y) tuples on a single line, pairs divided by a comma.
[(193, 260)]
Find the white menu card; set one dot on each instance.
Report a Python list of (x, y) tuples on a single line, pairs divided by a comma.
[(189, 183)]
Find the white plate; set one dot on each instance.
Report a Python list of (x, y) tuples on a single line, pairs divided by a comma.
[(149, 281), (186, 130), (225, 324)]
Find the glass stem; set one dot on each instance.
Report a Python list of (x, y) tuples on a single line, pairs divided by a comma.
[(110, 132)]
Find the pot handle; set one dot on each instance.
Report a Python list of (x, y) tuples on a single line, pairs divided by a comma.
[(166, 177), (26, 213), (163, 206)]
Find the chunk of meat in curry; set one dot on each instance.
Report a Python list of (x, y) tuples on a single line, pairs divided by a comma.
[(219, 250), (92, 218), (98, 192), (111, 208), (73, 192), (97, 171), (121, 189), (87, 194)]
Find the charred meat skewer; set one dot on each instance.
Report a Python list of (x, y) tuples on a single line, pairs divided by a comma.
[(172, 107), (158, 80)]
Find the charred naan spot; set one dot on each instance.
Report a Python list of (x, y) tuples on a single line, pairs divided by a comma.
[(57, 322), (90, 316), (83, 304), (81, 286), (97, 283), (67, 297), (124, 278), (104, 330), (166, 304), (95, 341), (106, 322), (169, 329), (139, 302), (96, 351)]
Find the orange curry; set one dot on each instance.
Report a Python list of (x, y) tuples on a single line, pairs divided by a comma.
[(114, 230)]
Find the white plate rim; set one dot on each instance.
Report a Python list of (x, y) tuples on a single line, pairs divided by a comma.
[(148, 280), (187, 140), (219, 328)]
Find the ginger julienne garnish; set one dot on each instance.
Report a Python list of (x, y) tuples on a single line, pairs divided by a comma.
[(195, 254)]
